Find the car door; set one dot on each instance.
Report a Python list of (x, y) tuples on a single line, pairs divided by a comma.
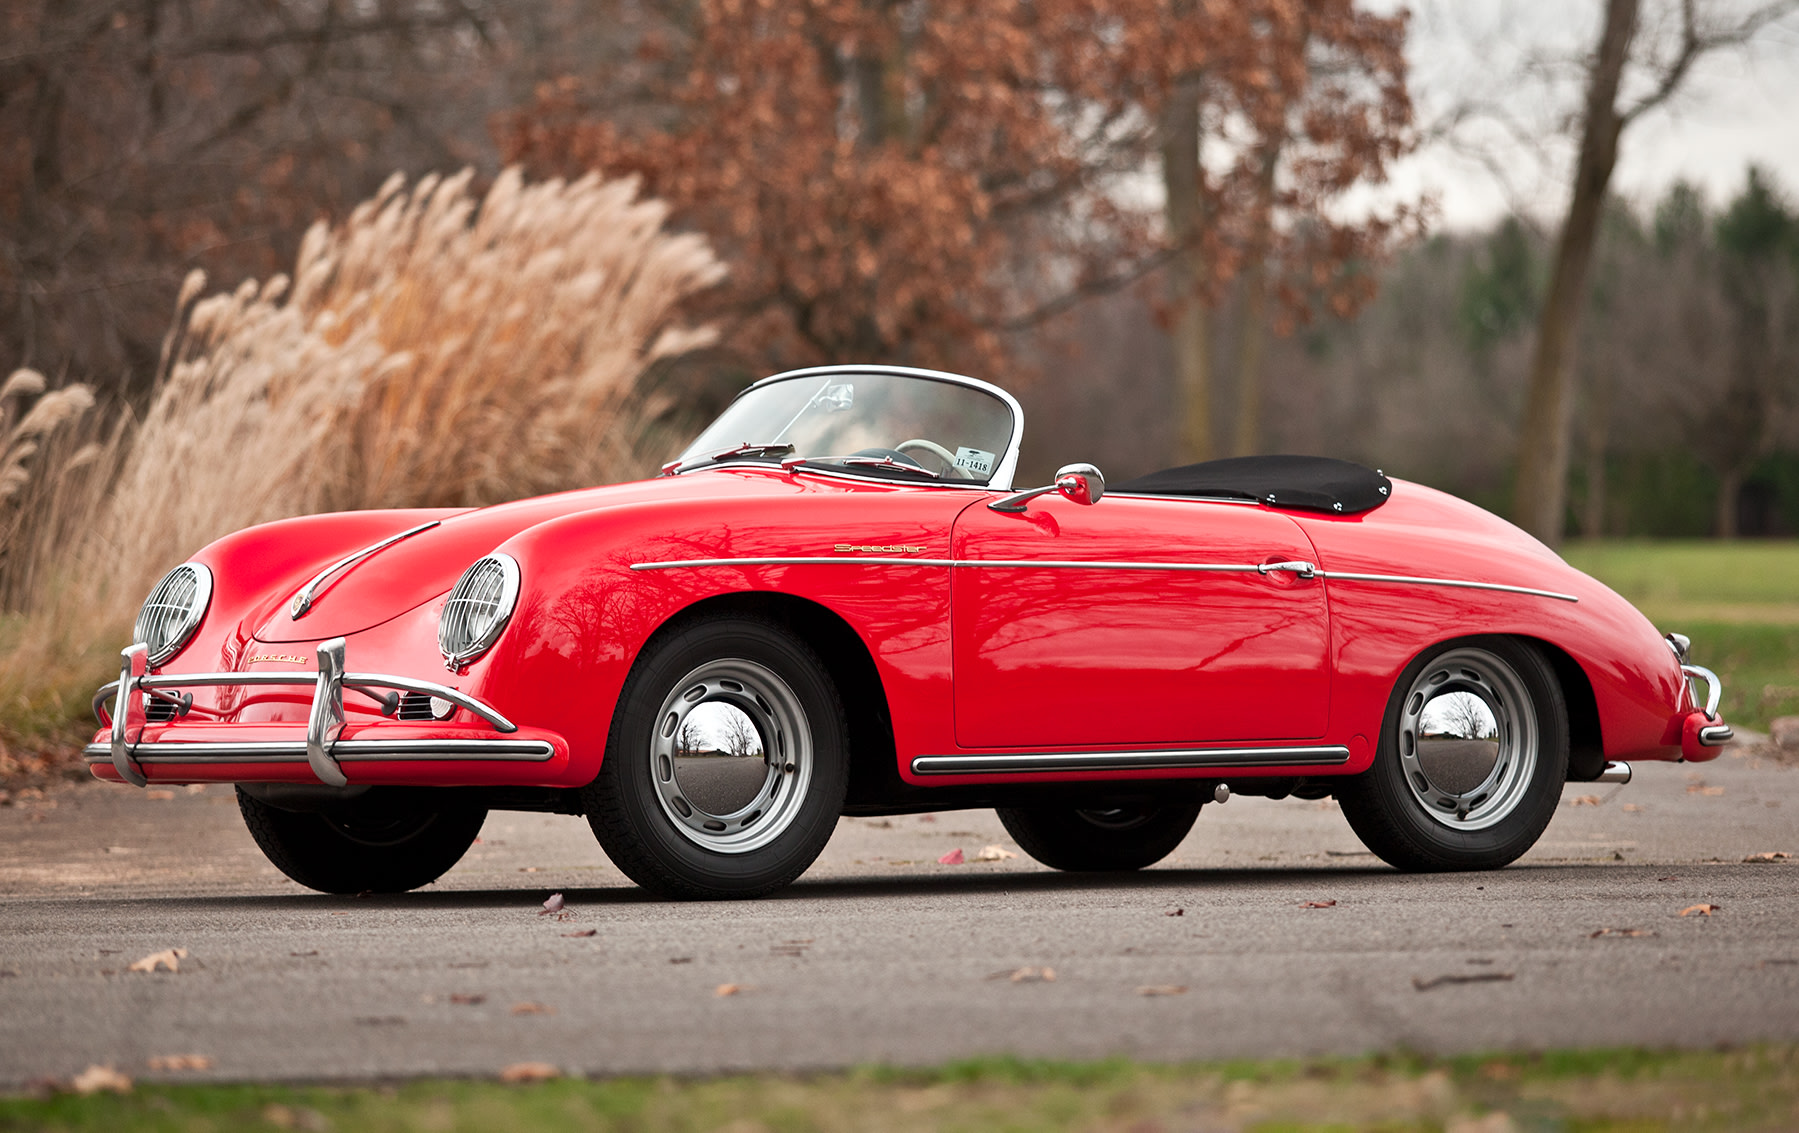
[(1135, 621)]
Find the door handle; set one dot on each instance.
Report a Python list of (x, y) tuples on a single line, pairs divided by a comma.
[(1299, 567)]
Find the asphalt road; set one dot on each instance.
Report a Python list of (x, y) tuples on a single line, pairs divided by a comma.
[(881, 954)]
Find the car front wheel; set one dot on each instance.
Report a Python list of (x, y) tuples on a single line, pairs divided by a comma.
[(1473, 754), (1098, 840), (727, 764), (365, 848)]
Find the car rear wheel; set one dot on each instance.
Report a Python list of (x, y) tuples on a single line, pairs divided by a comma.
[(1097, 840), (362, 849), (727, 764), (1473, 754)]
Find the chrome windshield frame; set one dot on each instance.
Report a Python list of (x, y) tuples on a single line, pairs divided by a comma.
[(1004, 470)]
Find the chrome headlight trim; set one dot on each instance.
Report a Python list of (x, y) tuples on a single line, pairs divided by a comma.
[(478, 609), (173, 611)]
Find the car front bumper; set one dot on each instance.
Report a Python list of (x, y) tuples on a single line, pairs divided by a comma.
[(212, 750)]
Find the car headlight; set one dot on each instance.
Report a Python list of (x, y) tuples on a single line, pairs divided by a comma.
[(478, 609), (173, 611)]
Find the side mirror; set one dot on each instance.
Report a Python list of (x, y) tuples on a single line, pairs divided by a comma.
[(1080, 483)]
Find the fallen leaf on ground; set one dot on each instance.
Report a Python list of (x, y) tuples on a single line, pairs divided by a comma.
[(463, 1000), (1670, 877), (1620, 932), (158, 795), (724, 990), (1474, 978), (1769, 856), (1318, 905), (1176, 913), (584, 932), (179, 1062), (1162, 989), (169, 958), (529, 1072), (954, 857), (195, 788), (97, 1078), (1026, 975), (1700, 910), (292, 1117), (1584, 800), (927, 818), (994, 854), (1632, 808), (1702, 789), (680, 959), (532, 1009), (553, 905)]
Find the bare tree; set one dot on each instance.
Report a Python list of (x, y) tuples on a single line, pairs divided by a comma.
[(1540, 495)]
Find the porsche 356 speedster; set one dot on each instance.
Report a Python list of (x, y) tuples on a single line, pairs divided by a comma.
[(837, 602)]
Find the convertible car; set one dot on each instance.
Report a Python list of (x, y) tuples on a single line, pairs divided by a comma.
[(836, 602)]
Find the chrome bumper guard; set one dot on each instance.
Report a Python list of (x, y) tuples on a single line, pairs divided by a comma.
[(1715, 735), (324, 750)]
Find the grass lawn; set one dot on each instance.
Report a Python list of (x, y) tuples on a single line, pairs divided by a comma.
[(1738, 601), (1600, 1090)]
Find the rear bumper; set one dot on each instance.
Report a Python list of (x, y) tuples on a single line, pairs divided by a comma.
[(1702, 733), (133, 750)]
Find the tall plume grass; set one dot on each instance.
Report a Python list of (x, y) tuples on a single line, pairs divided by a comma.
[(433, 349)]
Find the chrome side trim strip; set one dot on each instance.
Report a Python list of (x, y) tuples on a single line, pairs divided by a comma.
[(875, 560), (1074, 564), (1029, 762), (795, 560), (345, 751), (1460, 584), (303, 600)]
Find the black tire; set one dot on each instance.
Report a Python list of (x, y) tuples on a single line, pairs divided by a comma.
[(1414, 824), (798, 772), (1088, 841), (367, 849)]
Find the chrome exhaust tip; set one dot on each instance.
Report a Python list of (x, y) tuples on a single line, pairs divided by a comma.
[(1616, 771)]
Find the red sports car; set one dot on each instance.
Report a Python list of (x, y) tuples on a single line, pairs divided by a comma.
[(835, 602)]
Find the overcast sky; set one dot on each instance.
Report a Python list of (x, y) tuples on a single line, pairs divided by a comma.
[(1737, 107)]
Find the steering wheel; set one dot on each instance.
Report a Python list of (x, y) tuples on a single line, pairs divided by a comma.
[(951, 471)]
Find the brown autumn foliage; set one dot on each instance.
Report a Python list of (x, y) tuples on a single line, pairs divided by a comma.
[(910, 182)]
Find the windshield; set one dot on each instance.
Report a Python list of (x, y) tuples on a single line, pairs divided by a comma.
[(898, 425)]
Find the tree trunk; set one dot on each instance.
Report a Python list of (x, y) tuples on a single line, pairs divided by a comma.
[(1730, 489), (1187, 275), (1248, 439), (1540, 497), (1592, 523)]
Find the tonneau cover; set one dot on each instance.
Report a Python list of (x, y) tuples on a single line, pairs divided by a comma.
[(1315, 483)]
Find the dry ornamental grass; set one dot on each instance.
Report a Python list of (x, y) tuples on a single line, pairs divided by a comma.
[(435, 349)]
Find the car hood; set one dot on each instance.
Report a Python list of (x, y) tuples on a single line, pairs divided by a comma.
[(421, 567)]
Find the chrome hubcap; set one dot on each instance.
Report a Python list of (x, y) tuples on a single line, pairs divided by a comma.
[(732, 756), (1468, 739)]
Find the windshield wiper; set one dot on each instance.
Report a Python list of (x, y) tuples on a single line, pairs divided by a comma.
[(747, 448), (880, 462)]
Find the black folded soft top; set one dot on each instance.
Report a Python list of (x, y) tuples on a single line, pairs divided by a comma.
[(1315, 483)]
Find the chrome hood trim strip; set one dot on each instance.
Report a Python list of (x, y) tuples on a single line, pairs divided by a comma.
[(1021, 763), (303, 600)]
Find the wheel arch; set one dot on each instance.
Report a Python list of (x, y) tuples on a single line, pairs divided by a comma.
[(850, 665), (1586, 740)]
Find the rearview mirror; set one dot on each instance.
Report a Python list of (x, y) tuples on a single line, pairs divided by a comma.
[(1081, 483)]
